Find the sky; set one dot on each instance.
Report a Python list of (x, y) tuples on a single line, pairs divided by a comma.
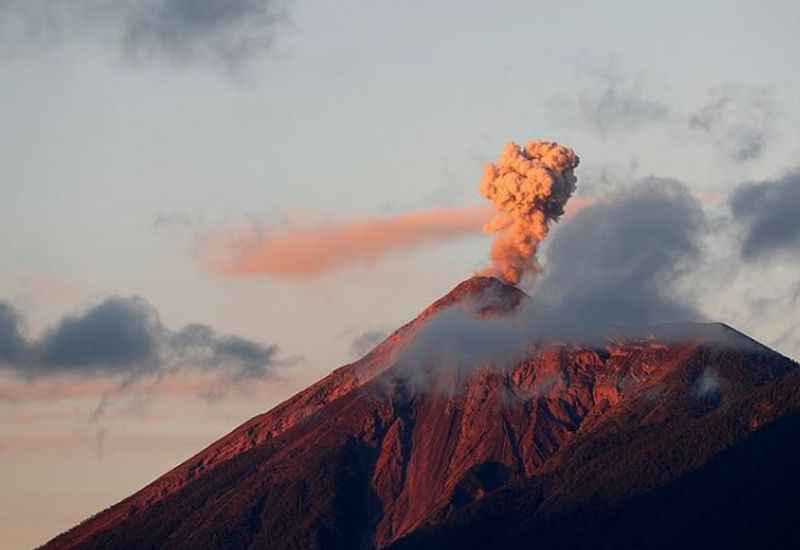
[(145, 142)]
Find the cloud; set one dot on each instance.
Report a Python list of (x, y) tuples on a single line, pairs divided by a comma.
[(618, 261), (768, 214), (175, 32), (707, 384), (12, 341), (767, 211), (202, 347), (124, 338), (189, 31), (737, 121), (619, 107), (117, 334), (364, 342), (612, 105)]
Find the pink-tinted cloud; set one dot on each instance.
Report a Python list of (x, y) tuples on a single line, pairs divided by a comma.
[(303, 252)]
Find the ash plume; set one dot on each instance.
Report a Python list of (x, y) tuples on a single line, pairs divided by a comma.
[(529, 188), (308, 252)]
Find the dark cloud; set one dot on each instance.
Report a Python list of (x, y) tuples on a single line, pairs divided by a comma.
[(768, 213), (187, 31), (12, 342), (203, 347), (123, 337), (177, 32), (737, 121), (117, 334), (364, 343), (617, 262)]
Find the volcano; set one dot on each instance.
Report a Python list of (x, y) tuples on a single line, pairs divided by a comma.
[(682, 435)]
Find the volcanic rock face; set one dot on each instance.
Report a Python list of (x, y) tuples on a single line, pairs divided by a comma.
[(369, 457)]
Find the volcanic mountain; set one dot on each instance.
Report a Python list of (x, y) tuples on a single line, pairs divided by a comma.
[(680, 435)]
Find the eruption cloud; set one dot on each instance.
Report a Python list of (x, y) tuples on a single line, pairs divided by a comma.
[(529, 188)]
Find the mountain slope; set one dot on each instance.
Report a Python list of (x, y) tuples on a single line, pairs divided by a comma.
[(369, 456), (721, 473)]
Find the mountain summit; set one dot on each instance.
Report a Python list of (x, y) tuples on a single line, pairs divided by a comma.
[(558, 447)]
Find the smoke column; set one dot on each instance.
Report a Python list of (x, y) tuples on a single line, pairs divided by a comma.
[(529, 188)]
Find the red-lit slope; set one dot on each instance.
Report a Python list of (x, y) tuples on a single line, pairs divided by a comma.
[(367, 456)]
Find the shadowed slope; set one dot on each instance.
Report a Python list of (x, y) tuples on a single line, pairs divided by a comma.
[(721, 472)]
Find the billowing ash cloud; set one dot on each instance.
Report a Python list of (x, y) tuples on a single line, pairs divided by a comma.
[(768, 212), (737, 122), (178, 32), (529, 188), (124, 337)]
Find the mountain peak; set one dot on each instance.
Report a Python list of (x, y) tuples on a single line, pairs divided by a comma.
[(488, 295)]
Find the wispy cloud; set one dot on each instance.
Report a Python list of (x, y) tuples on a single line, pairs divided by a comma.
[(738, 121), (229, 34), (613, 104)]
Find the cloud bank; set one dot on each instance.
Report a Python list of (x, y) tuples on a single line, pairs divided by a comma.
[(124, 338)]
